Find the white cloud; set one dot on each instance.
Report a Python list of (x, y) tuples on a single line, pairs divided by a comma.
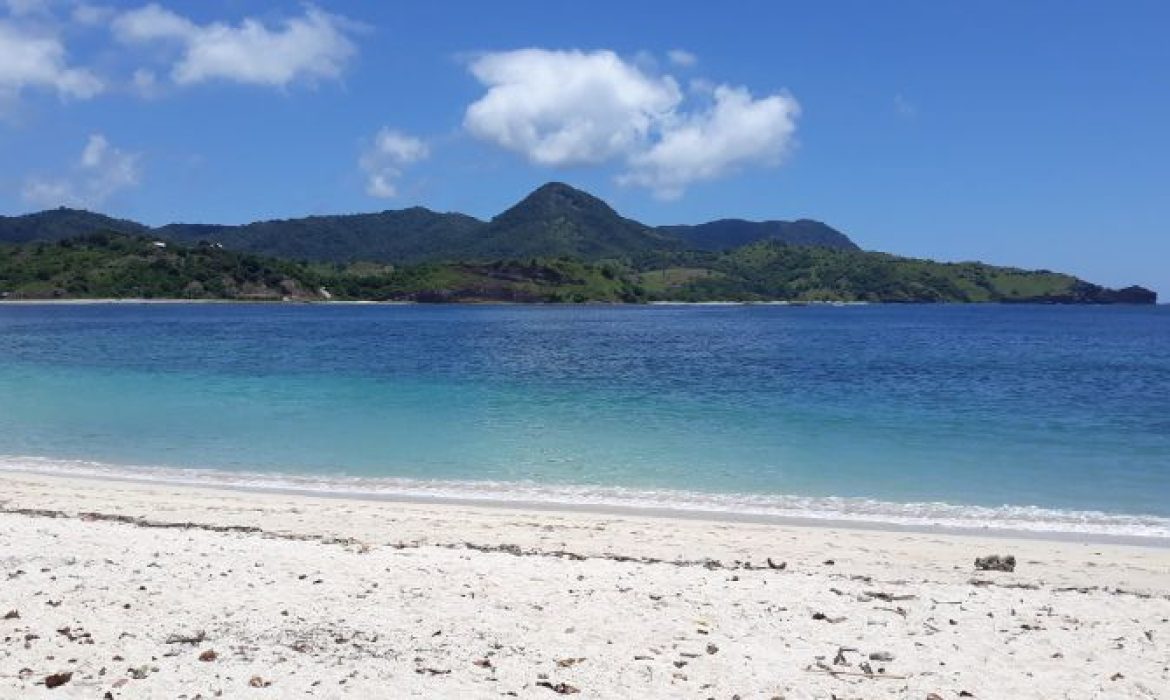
[(29, 59), (100, 172), (681, 58), (383, 162), (313, 46), (566, 107), (736, 131), (151, 22)]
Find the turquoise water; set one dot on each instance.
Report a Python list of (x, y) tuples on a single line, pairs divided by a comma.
[(1052, 418)]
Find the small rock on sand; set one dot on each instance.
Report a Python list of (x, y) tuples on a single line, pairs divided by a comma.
[(58, 679), (996, 562)]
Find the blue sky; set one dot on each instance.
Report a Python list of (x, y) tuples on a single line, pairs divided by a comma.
[(1024, 133)]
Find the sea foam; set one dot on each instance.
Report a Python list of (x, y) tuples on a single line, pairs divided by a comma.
[(860, 511)]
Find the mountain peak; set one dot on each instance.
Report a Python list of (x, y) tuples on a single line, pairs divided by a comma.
[(556, 199), (557, 219)]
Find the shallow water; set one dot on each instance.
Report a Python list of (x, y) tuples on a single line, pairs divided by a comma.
[(900, 413)]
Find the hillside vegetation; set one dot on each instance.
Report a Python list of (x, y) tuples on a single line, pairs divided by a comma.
[(768, 270), (555, 220), (112, 265), (557, 244)]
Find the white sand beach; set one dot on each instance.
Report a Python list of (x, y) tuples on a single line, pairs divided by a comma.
[(157, 591)]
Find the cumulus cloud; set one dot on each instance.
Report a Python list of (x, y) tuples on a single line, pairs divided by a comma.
[(313, 46), (566, 108), (681, 58), (32, 60), (735, 131), (101, 171), (384, 161)]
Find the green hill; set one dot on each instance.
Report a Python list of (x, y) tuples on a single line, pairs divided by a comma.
[(733, 233), (558, 220), (112, 265), (116, 266), (57, 224), (769, 270), (402, 236), (541, 280), (554, 220), (558, 243)]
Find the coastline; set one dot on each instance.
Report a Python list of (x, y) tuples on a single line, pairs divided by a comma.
[(494, 302), (1011, 522), (340, 596), (81, 301)]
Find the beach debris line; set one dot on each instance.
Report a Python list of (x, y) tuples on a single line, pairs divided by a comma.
[(886, 597), (996, 562), (559, 688), (865, 672), (820, 616), (180, 638), (426, 670)]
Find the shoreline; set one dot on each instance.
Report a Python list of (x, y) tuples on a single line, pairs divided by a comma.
[(492, 302), (556, 499), (158, 591)]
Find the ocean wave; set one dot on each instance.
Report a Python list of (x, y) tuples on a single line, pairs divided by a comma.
[(936, 515)]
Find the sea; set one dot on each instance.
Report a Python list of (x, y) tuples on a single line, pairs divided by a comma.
[(1037, 419)]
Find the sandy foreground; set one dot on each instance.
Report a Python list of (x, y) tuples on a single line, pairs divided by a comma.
[(156, 591)]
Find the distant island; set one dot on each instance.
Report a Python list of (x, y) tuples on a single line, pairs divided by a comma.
[(558, 244)]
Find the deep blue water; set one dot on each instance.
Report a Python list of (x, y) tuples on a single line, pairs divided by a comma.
[(1064, 408)]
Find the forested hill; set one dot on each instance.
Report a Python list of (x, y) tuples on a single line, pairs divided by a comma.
[(733, 233), (556, 244), (395, 236), (112, 265), (768, 270), (554, 220)]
